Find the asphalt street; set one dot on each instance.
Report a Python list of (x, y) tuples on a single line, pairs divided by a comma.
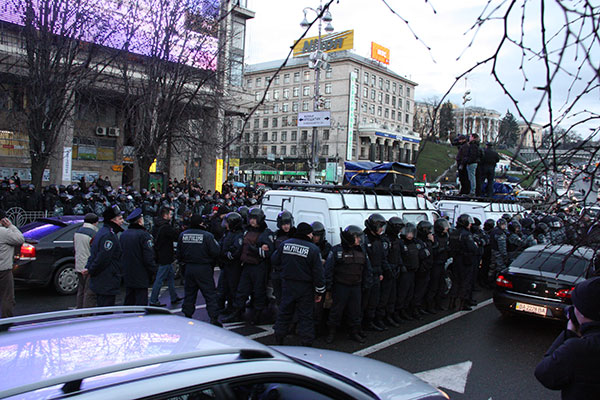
[(470, 355)]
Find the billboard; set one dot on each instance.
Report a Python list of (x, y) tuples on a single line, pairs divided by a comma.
[(329, 43), (136, 26), (351, 114), (380, 53)]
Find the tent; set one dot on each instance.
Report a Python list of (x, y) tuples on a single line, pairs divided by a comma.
[(376, 175)]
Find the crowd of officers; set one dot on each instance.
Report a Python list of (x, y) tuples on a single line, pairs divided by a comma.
[(380, 275)]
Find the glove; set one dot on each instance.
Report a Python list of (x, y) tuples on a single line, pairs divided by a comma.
[(262, 253), (229, 255)]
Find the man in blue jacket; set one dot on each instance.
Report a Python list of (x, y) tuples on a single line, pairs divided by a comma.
[(104, 264), (571, 364), (303, 284), (137, 260)]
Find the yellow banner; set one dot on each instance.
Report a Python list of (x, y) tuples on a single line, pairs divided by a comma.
[(219, 175), (234, 162), (380, 53), (329, 43)]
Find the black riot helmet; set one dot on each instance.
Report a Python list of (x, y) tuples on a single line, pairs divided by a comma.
[(256, 213), (395, 225), (440, 225), (424, 228), (506, 217), (528, 223), (285, 217), (488, 225), (374, 222), (501, 223), (409, 228), (542, 227), (514, 226), (349, 234), (318, 229), (464, 220), (243, 211), (234, 221)]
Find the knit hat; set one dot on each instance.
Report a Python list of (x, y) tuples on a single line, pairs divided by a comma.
[(90, 218), (585, 297), (303, 229)]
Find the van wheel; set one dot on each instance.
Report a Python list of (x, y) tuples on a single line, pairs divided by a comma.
[(66, 280)]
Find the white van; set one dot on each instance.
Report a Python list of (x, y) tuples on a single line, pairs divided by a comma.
[(336, 209), (477, 209)]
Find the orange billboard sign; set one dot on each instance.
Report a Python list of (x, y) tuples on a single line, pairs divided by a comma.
[(380, 53)]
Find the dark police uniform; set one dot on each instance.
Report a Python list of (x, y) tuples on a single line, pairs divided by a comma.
[(104, 264), (377, 249), (138, 263), (465, 257), (198, 250), (437, 275), (302, 278), (411, 252), (280, 237), (231, 250)]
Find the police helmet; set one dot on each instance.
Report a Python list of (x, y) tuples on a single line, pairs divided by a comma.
[(542, 227), (349, 234), (409, 228), (556, 223), (500, 223), (375, 221), (234, 221), (395, 225), (506, 217), (318, 229), (243, 211), (440, 225), (528, 223), (488, 225), (514, 226), (256, 213), (464, 220), (284, 218), (424, 228)]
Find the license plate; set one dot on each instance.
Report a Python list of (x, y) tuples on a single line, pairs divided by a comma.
[(530, 308)]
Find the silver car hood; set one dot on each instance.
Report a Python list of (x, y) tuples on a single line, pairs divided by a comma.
[(385, 380)]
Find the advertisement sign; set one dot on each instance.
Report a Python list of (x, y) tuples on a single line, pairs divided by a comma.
[(380, 53), (23, 173), (67, 163), (337, 41), (219, 175), (14, 144), (351, 116)]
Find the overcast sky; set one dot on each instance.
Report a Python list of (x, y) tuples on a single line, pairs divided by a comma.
[(447, 31)]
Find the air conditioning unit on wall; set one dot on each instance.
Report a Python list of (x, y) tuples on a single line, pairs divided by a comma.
[(114, 131), (101, 131)]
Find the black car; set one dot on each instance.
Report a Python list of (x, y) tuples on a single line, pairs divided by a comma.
[(47, 257), (540, 280)]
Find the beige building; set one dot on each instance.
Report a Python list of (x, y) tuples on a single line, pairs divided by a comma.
[(482, 121), (383, 115), (423, 123), (530, 136)]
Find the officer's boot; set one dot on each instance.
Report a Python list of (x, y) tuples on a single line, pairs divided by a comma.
[(430, 308), (379, 322), (464, 305), (405, 315), (236, 316), (355, 336), (452, 303), (390, 321), (370, 326), (330, 335)]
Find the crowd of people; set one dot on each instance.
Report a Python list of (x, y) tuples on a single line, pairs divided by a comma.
[(476, 166)]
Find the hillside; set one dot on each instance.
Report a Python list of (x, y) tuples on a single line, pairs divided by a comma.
[(434, 159)]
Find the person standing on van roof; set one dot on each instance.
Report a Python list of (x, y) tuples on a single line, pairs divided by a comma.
[(303, 284), (461, 166), (472, 159), (257, 248), (377, 249), (488, 163), (285, 231), (347, 272)]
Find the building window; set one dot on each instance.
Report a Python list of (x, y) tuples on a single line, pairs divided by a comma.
[(407, 118), (258, 82), (373, 94), (366, 78), (257, 96), (284, 120), (268, 96), (365, 92), (284, 107), (276, 107), (407, 91), (394, 87), (246, 136), (267, 80), (372, 109), (407, 104), (283, 151), (307, 75), (379, 111), (328, 73), (293, 150), (304, 136), (286, 94), (386, 114), (283, 136), (265, 136), (393, 114), (248, 83), (265, 122), (275, 94), (296, 92), (399, 116), (387, 85), (364, 107), (274, 123), (325, 134), (357, 90), (327, 104), (400, 90), (296, 77), (294, 106), (306, 91), (380, 83), (328, 88), (325, 149), (273, 149), (387, 99), (373, 80), (294, 136), (380, 97), (274, 136), (400, 103), (305, 106), (276, 80), (393, 101), (286, 78), (256, 123)]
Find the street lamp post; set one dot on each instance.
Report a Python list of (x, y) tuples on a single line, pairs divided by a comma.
[(466, 99), (317, 60)]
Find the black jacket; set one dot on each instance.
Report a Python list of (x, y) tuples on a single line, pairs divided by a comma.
[(300, 260), (231, 248), (164, 237), (138, 258), (197, 246), (490, 158), (104, 264), (337, 261), (474, 153), (377, 249), (571, 364)]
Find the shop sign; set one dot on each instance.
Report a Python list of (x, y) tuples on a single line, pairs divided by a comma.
[(330, 43)]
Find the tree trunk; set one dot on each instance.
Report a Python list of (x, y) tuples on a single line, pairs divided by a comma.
[(144, 165), (37, 172)]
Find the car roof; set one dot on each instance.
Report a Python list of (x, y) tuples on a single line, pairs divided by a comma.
[(38, 351), (564, 249)]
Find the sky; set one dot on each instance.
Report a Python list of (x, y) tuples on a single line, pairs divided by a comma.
[(446, 47)]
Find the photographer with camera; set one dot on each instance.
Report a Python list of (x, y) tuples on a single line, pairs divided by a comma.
[(571, 364)]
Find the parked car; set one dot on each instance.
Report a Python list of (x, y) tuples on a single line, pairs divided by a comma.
[(147, 352), (47, 258), (540, 280)]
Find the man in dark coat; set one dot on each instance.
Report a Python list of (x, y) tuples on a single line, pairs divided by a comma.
[(571, 364), (137, 260), (104, 264), (303, 284), (488, 164)]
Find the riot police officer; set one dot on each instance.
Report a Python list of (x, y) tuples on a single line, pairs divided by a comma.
[(498, 237), (514, 243), (303, 284), (422, 275), (285, 231), (347, 271), (104, 264), (137, 260), (441, 253), (387, 300), (377, 249), (231, 250), (411, 253), (198, 250), (464, 257)]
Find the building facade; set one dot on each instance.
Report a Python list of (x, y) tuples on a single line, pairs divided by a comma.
[(383, 107), (531, 135), (479, 120)]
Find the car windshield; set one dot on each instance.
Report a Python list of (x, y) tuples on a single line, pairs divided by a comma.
[(39, 229), (553, 262)]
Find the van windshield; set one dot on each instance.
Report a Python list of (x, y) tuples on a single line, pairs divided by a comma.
[(414, 218)]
